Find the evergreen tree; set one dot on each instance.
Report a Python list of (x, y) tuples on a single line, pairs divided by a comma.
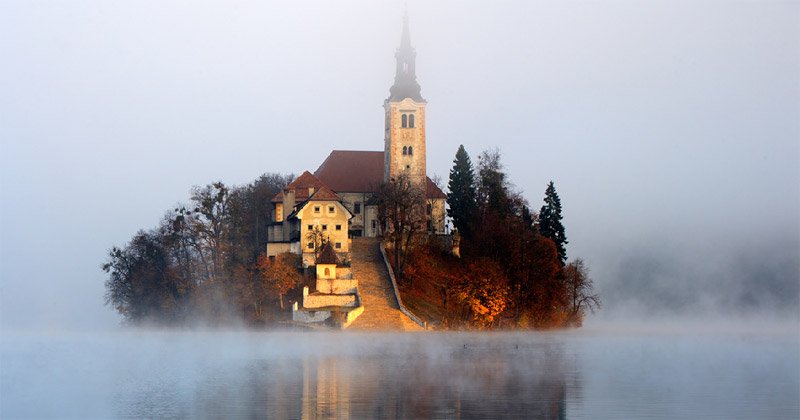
[(550, 221), (493, 188), (461, 199)]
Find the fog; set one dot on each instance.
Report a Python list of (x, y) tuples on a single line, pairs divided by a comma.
[(575, 374), (671, 131)]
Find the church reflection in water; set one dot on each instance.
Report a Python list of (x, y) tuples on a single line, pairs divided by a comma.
[(368, 376), (471, 382)]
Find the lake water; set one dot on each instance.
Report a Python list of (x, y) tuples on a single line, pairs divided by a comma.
[(579, 374)]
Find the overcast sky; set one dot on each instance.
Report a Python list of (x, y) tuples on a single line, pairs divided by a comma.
[(671, 128)]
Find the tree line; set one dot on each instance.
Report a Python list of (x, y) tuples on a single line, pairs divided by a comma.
[(204, 261), (513, 269)]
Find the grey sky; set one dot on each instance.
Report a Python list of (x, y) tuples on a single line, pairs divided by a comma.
[(668, 127)]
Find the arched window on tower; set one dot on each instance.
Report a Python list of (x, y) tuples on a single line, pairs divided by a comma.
[(411, 120), (405, 150), (404, 120), (410, 150)]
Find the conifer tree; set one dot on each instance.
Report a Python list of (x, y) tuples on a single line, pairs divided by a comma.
[(550, 221), (461, 199)]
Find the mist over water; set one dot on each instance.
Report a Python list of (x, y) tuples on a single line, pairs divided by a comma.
[(587, 374), (670, 131), (724, 278)]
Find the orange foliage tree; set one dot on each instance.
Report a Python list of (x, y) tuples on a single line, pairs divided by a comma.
[(484, 292), (280, 276)]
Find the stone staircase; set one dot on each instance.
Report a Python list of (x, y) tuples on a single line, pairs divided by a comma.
[(381, 312)]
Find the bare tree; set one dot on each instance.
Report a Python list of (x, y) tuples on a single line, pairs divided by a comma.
[(317, 237), (401, 209), (580, 289), (209, 222)]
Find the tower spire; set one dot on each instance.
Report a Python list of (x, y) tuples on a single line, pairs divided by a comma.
[(405, 78), (405, 39)]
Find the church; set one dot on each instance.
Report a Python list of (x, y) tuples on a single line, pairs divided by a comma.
[(336, 202)]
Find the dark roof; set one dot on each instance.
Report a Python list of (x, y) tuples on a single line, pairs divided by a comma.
[(360, 171), (328, 255), (300, 185)]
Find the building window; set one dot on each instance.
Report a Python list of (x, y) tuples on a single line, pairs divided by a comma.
[(316, 209), (430, 226), (404, 120), (324, 227), (411, 121), (331, 209), (327, 272), (405, 150), (310, 227), (338, 245), (408, 166), (374, 224), (338, 227), (357, 209), (410, 150), (310, 245)]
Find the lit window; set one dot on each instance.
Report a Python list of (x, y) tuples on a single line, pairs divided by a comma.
[(338, 227), (338, 245), (411, 122), (404, 120), (316, 209)]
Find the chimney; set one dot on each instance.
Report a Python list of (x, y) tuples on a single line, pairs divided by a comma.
[(288, 201)]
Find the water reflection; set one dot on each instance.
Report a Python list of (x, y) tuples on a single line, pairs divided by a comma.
[(464, 377), (147, 374)]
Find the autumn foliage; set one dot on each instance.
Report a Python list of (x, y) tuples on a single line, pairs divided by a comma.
[(509, 275)]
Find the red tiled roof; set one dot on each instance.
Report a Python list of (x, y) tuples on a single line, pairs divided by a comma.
[(324, 194), (432, 191), (300, 185), (360, 171), (352, 171)]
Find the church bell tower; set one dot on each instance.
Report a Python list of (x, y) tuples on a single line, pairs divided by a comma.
[(404, 137)]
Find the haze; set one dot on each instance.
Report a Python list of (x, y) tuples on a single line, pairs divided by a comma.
[(671, 130)]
